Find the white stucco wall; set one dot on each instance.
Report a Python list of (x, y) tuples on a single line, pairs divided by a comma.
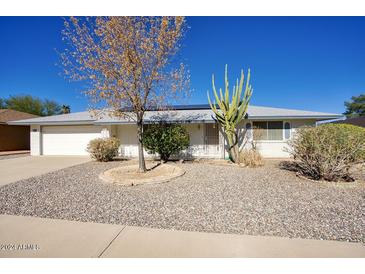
[(129, 146), (35, 140), (196, 135), (277, 149), (127, 135)]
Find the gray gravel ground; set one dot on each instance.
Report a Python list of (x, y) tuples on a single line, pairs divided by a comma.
[(210, 198)]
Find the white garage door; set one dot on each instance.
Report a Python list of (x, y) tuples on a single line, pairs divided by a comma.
[(68, 140)]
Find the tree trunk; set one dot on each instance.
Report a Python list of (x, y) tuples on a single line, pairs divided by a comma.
[(233, 149), (236, 148), (230, 150), (141, 161)]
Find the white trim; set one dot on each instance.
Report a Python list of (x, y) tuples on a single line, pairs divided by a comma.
[(290, 130), (270, 141), (55, 123), (316, 117)]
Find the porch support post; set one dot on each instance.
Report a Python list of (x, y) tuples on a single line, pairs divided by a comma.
[(106, 131), (35, 140)]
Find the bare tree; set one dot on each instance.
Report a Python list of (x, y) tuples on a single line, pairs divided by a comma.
[(128, 64)]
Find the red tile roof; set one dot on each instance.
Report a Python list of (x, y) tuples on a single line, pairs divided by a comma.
[(7, 115)]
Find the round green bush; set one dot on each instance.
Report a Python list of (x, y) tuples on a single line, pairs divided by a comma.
[(328, 151), (165, 139)]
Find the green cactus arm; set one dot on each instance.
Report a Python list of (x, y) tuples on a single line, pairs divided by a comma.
[(214, 89), (221, 95), (230, 110), (238, 95), (248, 86), (216, 95), (226, 85), (234, 97), (210, 103), (248, 94), (213, 84), (243, 109), (241, 84), (218, 117), (225, 108), (221, 120), (232, 107)]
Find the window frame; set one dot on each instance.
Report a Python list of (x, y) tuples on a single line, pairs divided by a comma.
[(267, 140)]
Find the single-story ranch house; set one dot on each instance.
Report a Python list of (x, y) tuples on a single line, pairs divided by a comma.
[(69, 134)]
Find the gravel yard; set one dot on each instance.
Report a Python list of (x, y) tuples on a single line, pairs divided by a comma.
[(210, 198)]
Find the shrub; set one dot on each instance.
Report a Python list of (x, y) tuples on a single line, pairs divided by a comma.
[(165, 139), (103, 149), (251, 158), (328, 151)]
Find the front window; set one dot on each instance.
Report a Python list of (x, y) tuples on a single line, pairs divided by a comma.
[(268, 130)]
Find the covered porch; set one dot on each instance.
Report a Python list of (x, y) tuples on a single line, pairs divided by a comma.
[(206, 141)]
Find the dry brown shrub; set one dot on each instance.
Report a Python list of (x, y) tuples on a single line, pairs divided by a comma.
[(103, 149), (251, 158), (328, 151)]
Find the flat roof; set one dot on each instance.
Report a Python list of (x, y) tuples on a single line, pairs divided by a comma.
[(177, 114)]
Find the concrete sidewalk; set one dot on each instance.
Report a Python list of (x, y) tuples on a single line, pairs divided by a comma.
[(37, 237), (14, 152), (16, 169)]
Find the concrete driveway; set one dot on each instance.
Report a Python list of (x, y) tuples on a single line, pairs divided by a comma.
[(16, 169)]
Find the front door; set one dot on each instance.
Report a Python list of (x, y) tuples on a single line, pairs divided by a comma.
[(212, 147)]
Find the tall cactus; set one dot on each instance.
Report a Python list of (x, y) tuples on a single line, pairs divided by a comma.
[(229, 113)]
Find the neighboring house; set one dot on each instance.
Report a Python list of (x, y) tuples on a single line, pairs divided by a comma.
[(14, 137), (356, 121), (69, 134)]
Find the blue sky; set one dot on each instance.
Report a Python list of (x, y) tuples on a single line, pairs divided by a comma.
[(310, 63)]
